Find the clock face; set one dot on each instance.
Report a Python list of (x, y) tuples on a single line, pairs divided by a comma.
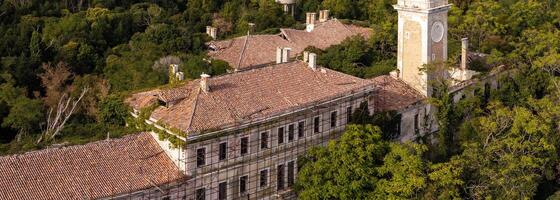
[(437, 31)]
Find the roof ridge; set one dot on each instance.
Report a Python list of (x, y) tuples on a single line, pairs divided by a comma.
[(73, 147), (195, 102)]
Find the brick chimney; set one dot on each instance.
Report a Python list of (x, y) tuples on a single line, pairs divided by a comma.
[(310, 21), (279, 53), (204, 85), (180, 76), (312, 61), (212, 32), (323, 15), (464, 53), (282, 55), (286, 55)]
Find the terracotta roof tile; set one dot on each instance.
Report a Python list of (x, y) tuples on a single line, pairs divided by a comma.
[(88, 171), (261, 49), (393, 94), (255, 94)]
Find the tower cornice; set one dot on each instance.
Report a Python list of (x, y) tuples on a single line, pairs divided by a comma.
[(423, 10)]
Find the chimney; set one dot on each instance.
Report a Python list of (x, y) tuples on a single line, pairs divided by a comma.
[(204, 82), (174, 68), (285, 55), (279, 52), (323, 15), (312, 61), (464, 53), (305, 56), (310, 21), (282, 55), (212, 32), (180, 76)]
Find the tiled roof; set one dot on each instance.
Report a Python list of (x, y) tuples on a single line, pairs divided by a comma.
[(325, 34), (241, 97), (261, 49), (393, 94), (90, 171)]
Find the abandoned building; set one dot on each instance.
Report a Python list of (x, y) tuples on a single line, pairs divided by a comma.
[(239, 135), (252, 51)]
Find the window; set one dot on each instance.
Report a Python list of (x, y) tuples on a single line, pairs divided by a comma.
[(200, 194), (280, 178), (398, 126), (280, 135), (223, 151), (264, 140), (316, 124), (333, 118), (243, 184), (301, 129), (222, 191), (263, 178), (291, 132), (348, 114), (416, 122), (200, 157), (244, 143), (291, 174), (487, 89)]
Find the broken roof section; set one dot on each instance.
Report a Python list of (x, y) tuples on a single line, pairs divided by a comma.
[(261, 49), (91, 171), (247, 96), (394, 94)]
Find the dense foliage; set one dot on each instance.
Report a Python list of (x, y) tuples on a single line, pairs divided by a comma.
[(51, 51), (498, 144), (501, 145)]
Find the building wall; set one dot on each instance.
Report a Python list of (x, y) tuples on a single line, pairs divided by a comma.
[(415, 44), (426, 122), (172, 191), (234, 166)]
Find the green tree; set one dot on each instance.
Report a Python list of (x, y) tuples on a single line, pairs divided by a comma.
[(402, 173), (113, 111), (344, 169)]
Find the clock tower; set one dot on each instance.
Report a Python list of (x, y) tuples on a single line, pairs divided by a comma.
[(422, 39)]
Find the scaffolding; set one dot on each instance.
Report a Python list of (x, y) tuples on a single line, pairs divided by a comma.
[(259, 159)]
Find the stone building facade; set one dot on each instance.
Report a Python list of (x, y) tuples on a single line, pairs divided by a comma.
[(252, 151)]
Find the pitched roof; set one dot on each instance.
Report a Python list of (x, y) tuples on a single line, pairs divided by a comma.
[(325, 34), (90, 171), (241, 97), (261, 49), (394, 94)]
